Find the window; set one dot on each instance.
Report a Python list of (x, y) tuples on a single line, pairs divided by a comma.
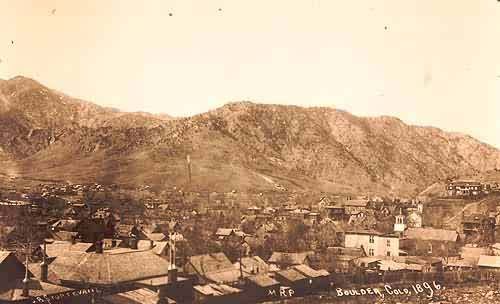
[(388, 243), (371, 252), (388, 253), (372, 239)]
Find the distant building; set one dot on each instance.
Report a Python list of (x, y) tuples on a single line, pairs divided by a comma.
[(414, 219), (12, 273), (399, 222), (356, 207), (478, 227), (211, 268), (283, 260), (430, 242), (335, 212), (373, 242), (464, 188), (252, 266)]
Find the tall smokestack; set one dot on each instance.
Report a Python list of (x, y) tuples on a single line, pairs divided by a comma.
[(26, 280), (44, 267), (172, 269)]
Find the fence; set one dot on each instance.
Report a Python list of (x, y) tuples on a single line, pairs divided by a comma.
[(449, 278)]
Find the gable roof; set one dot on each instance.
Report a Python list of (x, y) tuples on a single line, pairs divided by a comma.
[(309, 272), (223, 276), (61, 247), (110, 267), (291, 275), (224, 231), (160, 248), (289, 258), (489, 261), (263, 280), (4, 255), (210, 262), (356, 203), (431, 234), (252, 265)]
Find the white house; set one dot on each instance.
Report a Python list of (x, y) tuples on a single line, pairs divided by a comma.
[(373, 242)]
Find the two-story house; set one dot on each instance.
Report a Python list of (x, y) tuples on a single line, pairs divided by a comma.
[(373, 242)]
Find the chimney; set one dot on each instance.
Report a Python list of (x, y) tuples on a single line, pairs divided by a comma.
[(98, 246), (151, 244), (172, 269), (172, 274), (133, 243)]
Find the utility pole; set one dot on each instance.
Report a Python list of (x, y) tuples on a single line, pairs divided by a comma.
[(188, 160), (241, 256)]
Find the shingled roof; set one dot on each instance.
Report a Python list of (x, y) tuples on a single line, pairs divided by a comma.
[(263, 280), (61, 247), (309, 272), (210, 262), (291, 275), (109, 267), (214, 267)]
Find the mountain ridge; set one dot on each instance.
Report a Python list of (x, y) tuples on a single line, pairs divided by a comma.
[(241, 145)]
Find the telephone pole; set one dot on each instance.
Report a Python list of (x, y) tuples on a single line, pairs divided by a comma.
[(188, 160)]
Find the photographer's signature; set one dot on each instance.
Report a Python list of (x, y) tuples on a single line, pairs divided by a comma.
[(425, 288)]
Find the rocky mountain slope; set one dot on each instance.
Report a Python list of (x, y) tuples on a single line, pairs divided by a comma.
[(244, 146)]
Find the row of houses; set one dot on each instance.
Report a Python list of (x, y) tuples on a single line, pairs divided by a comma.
[(469, 188)]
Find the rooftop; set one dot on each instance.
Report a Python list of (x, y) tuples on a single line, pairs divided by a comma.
[(309, 272), (263, 280), (291, 275), (216, 289), (489, 261), (109, 267)]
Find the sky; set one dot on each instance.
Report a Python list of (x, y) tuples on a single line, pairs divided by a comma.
[(427, 62)]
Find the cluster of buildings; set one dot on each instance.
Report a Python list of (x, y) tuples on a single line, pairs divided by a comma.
[(95, 252), (462, 188)]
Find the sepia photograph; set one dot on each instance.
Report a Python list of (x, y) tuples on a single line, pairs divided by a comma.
[(249, 151)]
